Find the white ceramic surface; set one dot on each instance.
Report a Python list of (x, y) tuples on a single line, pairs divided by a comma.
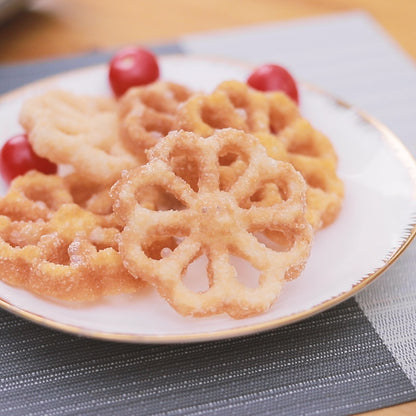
[(375, 225)]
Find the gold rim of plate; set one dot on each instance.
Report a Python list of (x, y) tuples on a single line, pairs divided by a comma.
[(405, 157)]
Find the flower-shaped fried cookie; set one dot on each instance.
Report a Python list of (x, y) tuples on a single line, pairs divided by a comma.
[(275, 119), (37, 196), (148, 113), (34, 196), (215, 218), (79, 131), (71, 256)]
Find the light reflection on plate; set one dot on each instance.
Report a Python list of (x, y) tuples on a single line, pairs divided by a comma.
[(376, 224)]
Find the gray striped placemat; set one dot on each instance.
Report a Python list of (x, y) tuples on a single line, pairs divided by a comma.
[(355, 357), (333, 364)]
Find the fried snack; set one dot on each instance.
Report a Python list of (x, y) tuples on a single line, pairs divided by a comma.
[(34, 196), (213, 221), (93, 197), (325, 191), (71, 256), (238, 107), (54, 247), (148, 113), (79, 131), (275, 120)]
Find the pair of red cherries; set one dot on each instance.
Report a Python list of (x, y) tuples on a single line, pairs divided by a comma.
[(130, 67)]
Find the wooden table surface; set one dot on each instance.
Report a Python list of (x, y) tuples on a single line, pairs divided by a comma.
[(53, 28)]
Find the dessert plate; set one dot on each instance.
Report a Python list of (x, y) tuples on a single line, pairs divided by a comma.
[(377, 222)]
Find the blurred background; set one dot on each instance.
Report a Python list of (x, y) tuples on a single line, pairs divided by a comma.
[(41, 29)]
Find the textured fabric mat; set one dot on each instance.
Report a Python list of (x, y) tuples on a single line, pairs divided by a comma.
[(333, 364)]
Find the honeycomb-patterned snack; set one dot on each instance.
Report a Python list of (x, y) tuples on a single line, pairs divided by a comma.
[(79, 131), (215, 218), (275, 119), (148, 113), (69, 256), (34, 196)]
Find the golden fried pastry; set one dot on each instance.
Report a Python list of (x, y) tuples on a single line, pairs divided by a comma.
[(161, 180), (70, 256), (276, 121), (79, 131), (34, 196), (148, 113), (91, 196), (216, 218)]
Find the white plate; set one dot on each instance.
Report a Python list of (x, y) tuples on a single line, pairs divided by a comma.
[(376, 224)]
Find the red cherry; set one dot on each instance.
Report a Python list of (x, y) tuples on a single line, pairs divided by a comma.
[(17, 157), (273, 77), (132, 67)]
